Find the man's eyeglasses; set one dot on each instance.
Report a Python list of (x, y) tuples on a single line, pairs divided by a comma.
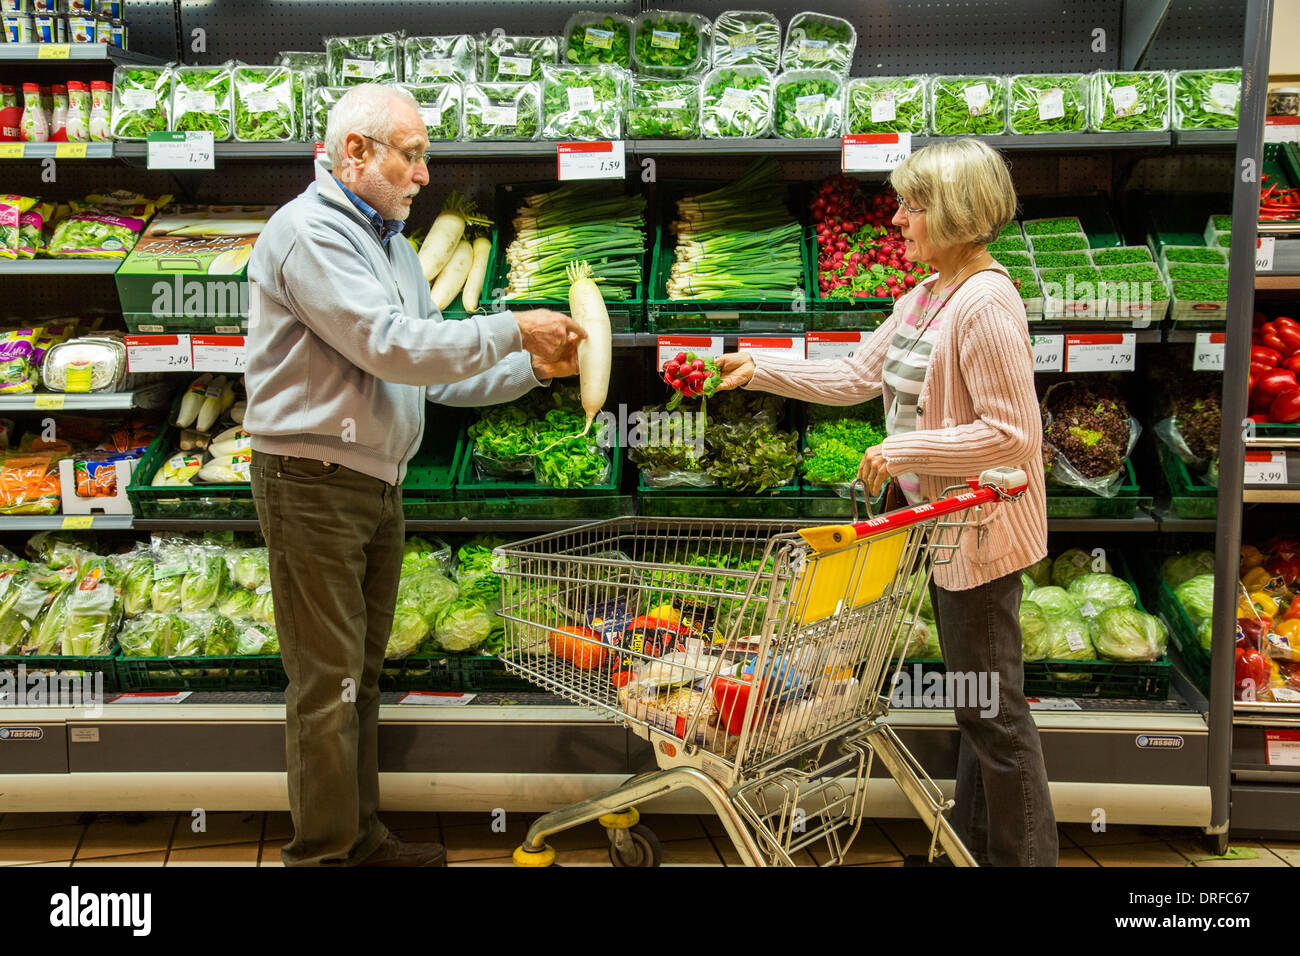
[(412, 156), (910, 210)]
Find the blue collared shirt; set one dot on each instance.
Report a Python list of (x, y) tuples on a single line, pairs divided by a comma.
[(384, 228)]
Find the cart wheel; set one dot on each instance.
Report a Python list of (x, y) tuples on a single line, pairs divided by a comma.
[(534, 858), (642, 849)]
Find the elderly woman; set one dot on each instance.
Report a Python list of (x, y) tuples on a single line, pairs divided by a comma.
[(955, 367)]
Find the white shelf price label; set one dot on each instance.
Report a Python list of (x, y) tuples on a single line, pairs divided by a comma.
[(790, 347), (1282, 129), (219, 353), (1282, 748), (1208, 356), (159, 353), (192, 150), (873, 152), (1265, 468), (832, 345), (591, 160), (703, 345), (152, 697), (1101, 352), (1264, 249), (1049, 352)]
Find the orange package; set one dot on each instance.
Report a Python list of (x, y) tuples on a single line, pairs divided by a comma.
[(29, 481)]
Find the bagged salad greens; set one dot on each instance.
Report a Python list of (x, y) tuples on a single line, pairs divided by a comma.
[(452, 57), (264, 107), (736, 102), (364, 59), (103, 226), (203, 99), (817, 41), (583, 102), (439, 106), (1053, 103), (663, 109), (310, 70), (141, 96), (886, 104), (1206, 99), (962, 105), (1122, 102), (594, 38), (518, 58), (503, 111), (12, 209), (670, 44), (808, 103), (322, 99), (747, 37)]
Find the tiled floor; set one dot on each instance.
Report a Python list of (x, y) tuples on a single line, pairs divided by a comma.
[(255, 839)]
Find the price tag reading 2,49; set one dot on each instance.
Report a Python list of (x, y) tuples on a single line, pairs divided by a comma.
[(591, 161), (872, 152), (1102, 352), (158, 353)]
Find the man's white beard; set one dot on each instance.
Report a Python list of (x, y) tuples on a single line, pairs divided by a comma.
[(384, 196)]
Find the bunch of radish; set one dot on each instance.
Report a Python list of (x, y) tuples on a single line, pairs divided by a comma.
[(596, 351), (691, 375), (453, 263), (859, 253)]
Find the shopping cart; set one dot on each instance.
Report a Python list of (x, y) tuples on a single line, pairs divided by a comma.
[(752, 655)]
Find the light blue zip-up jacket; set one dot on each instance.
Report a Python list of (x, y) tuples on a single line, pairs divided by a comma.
[(345, 345)]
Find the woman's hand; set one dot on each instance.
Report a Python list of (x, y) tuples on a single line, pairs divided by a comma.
[(874, 470), (737, 369)]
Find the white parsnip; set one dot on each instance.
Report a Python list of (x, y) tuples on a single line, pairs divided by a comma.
[(473, 291), (452, 279)]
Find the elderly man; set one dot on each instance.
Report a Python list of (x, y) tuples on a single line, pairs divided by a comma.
[(345, 348)]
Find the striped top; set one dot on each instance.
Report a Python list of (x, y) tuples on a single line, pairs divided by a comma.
[(906, 363)]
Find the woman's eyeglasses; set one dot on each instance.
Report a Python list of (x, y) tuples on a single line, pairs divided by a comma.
[(910, 210)]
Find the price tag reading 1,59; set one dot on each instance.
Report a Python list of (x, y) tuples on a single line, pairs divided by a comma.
[(1103, 352), (1208, 356), (871, 152), (219, 353), (1265, 468), (591, 161), (1049, 352)]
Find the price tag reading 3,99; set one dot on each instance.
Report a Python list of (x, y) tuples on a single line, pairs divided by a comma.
[(1104, 352), (1265, 246), (872, 152), (1208, 356), (192, 150), (1265, 468), (591, 160), (1049, 352)]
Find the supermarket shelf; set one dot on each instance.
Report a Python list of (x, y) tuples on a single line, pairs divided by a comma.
[(59, 267), (57, 522), (1187, 336), (31, 52), (1277, 280), (1277, 442), (1175, 524), (152, 397), (1265, 714), (1274, 493), (61, 150), (286, 150), (1140, 522), (1205, 137)]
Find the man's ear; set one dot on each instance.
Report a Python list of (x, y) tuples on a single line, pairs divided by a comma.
[(354, 147)]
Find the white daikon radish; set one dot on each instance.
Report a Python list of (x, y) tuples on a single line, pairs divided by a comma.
[(445, 233), (193, 400), (469, 296), (452, 279), (596, 351), (211, 409)]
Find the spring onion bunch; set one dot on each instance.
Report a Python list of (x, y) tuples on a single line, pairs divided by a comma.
[(738, 242), (580, 221)]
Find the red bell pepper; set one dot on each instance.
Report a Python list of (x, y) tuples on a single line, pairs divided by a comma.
[(1286, 322), (1290, 337), (1252, 672), (1292, 611), (1263, 355), (1266, 335), (1293, 363), (1274, 382), (1261, 419), (1251, 632), (1286, 406), (1285, 566)]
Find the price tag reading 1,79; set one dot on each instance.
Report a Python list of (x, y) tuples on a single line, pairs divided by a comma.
[(219, 353), (1049, 352), (1102, 352), (1265, 468), (591, 160), (159, 353), (871, 152), (192, 150), (1208, 356)]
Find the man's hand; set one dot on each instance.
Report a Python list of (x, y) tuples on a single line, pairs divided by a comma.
[(564, 367), (874, 470), (737, 369), (550, 336)]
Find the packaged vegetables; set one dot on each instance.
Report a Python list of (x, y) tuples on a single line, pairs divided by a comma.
[(202, 99), (323, 99), (1056, 103), (808, 103), (439, 105), (663, 109), (264, 106), (452, 57), (310, 70), (1087, 435), (141, 97), (818, 41), (364, 59), (584, 102), (1206, 99), (962, 105), (1124, 102), (537, 434), (747, 38), (670, 45), (503, 111), (736, 102), (886, 105), (596, 38), (518, 58)]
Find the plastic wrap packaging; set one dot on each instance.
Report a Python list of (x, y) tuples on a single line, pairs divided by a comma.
[(736, 103), (965, 105), (1053, 103), (203, 99), (747, 38), (809, 104), (503, 111), (454, 57), (439, 105), (887, 104), (264, 107), (1206, 99), (375, 58), (29, 479), (817, 41), (516, 59), (141, 95), (323, 99), (598, 38), (1062, 471), (677, 479), (663, 109), (89, 364), (310, 70), (1129, 102), (669, 44), (584, 102)]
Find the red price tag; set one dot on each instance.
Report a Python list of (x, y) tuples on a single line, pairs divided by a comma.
[(871, 152), (670, 345), (219, 353), (1102, 352), (590, 161), (832, 345), (777, 346), (159, 353)]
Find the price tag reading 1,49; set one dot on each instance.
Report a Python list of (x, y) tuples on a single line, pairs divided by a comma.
[(1265, 468), (219, 353), (192, 150), (872, 152), (591, 160), (1049, 352), (1208, 356), (1103, 352)]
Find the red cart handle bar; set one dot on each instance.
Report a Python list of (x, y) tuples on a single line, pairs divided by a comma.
[(996, 484)]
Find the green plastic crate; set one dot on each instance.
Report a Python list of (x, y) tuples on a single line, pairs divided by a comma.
[(1063, 502), (624, 315), (186, 501), (781, 502), (201, 673), (1100, 679), (457, 309), (428, 489), (486, 497), (419, 672), (1187, 497), (818, 501), (832, 314), (1181, 630), (86, 667)]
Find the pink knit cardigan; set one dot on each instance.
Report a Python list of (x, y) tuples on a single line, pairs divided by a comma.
[(977, 410)]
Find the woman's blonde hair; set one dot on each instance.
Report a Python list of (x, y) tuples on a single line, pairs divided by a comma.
[(963, 186)]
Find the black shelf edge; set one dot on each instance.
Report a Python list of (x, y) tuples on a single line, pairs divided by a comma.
[(1140, 522)]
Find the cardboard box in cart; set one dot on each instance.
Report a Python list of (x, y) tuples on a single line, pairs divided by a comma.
[(189, 269)]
